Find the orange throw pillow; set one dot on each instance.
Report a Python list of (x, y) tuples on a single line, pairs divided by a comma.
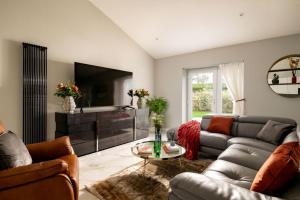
[(278, 170), (220, 125)]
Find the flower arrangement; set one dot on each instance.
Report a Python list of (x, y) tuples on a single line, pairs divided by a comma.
[(157, 107), (68, 89), (141, 93)]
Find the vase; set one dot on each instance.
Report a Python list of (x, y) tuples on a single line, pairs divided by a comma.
[(294, 79), (69, 104), (139, 103), (157, 142)]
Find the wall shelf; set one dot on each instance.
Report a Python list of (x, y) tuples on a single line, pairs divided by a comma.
[(285, 84), (282, 70)]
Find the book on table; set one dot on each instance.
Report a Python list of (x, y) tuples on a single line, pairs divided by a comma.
[(145, 149), (168, 148)]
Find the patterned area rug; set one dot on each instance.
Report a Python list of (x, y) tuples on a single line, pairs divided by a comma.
[(149, 183)]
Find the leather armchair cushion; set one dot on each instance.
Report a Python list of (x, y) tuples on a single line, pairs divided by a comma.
[(246, 156), (50, 150), (194, 186), (231, 173), (13, 152), (215, 140), (252, 143), (30, 173)]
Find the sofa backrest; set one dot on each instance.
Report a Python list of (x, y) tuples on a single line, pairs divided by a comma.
[(246, 126), (249, 126)]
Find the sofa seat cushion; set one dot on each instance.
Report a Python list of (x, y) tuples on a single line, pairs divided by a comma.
[(252, 143), (246, 156), (231, 173), (214, 140)]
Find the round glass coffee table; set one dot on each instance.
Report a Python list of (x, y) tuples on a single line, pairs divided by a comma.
[(149, 154)]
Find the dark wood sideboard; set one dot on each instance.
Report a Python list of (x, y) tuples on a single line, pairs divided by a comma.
[(94, 131)]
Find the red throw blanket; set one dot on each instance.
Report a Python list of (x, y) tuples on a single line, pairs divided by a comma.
[(189, 137)]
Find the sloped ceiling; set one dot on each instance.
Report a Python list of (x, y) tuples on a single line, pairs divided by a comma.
[(170, 27)]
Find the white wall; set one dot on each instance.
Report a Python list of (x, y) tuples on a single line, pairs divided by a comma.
[(258, 57), (73, 30)]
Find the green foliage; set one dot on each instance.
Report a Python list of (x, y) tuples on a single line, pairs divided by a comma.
[(202, 101), (227, 105), (199, 113), (157, 105)]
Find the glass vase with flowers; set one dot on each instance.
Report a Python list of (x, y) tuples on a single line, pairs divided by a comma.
[(68, 91)]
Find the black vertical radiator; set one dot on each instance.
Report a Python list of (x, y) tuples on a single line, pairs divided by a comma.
[(34, 93)]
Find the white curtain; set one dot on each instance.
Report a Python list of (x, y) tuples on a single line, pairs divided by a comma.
[(233, 74)]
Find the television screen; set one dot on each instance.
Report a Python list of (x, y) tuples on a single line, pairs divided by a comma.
[(100, 86)]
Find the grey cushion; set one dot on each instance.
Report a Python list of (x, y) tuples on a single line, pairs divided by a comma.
[(273, 131), (192, 186), (231, 173), (246, 156), (249, 126), (215, 140), (252, 143), (13, 152)]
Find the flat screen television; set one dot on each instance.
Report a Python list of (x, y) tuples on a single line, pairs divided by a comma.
[(100, 86)]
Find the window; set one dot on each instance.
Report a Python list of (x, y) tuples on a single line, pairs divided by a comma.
[(207, 93)]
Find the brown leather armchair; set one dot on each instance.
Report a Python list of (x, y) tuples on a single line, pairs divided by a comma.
[(52, 176)]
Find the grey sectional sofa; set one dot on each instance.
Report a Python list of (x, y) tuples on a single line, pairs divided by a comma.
[(239, 157)]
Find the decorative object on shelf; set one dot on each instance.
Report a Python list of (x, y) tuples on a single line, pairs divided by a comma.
[(130, 93), (275, 79), (293, 63), (157, 107), (294, 78), (68, 92), (287, 69), (140, 93)]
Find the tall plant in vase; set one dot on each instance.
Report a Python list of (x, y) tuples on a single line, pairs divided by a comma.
[(68, 92), (157, 107), (140, 93)]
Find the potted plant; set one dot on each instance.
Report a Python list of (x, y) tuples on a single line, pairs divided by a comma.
[(68, 92), (157, 107), (140, 93)]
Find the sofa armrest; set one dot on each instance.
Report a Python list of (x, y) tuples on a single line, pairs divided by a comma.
[(50, 150), (194, 186), (30, 173)]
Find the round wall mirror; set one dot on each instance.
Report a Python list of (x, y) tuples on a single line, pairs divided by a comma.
[(284, 76)]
